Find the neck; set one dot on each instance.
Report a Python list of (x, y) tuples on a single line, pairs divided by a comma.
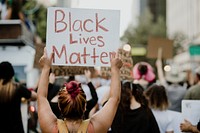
[(134, 104), (73, 125)]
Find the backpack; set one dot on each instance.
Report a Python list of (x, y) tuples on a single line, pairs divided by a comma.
[(62, 127)]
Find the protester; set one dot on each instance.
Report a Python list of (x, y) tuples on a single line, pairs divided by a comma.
[(72, 103), (10, 100), (143, 74), (158, 102), (186, 126), (175, 84), (193, 93), (54, 89), (14, 10), (133, 114)]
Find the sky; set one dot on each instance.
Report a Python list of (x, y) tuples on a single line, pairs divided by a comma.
[(125, 7)]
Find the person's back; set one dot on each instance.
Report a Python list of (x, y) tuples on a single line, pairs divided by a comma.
[(158, 102), (10, 100), (133, 114), (10, 113), (72, 102), (175, 93), (140, 120), (193, 93)]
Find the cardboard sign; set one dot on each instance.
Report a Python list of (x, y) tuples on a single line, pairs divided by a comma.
[(155, 43), (70, 70), (82, 37), (190, 110), (39, 52), (125, 71)]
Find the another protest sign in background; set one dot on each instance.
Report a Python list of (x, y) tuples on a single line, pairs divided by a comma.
[(155, 43), (191, 110), (126, 70)]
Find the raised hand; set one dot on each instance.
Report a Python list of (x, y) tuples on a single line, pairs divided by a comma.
[(46, 61)]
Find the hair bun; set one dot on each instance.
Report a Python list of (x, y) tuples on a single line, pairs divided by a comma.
[(73, 88)]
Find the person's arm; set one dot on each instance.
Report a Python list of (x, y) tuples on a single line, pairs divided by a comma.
[(102, 120), (33, 96), (161, 76), (188, 127), (9, 13), (47, 119), (91, 103)]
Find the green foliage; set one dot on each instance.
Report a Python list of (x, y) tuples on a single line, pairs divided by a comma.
[(146, 27), (38, 15), (138, 36)]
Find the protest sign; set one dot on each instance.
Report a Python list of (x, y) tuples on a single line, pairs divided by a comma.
[(70, 70), (190, 110), (125, 71), (82, 37), (155, 43)]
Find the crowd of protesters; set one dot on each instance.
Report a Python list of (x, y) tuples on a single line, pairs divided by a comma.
[(131, 106), (98, 105)]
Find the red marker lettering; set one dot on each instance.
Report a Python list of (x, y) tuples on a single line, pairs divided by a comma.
[(60, 21)]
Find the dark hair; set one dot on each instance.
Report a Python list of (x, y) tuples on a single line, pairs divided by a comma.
[(142, 69), (72, 101), (157, 97), (6, 71), (130, 89), (16, 6)]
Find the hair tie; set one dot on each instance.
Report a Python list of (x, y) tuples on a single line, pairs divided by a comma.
[(73, 88)]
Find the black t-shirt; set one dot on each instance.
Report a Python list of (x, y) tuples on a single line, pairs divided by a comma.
[(10, 112), (198, 126), (139, 120)]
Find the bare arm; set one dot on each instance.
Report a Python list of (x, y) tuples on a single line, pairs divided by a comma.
[(47, 119), (188, 127), (102, 120), (159, 66), (33, 96)]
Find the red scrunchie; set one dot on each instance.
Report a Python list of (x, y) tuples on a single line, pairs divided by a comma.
[(73, 88)]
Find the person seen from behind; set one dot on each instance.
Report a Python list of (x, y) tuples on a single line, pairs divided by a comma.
[(72, 103), (143, 74), (133, 114), (11, 94), (193, 93), (158, 102)]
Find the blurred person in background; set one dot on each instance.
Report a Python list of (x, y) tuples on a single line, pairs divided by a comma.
[(158, 102), (193, 93), (133, 114), (14, 10), (72, 103), (143, 74), (11, 94), (175, 84)]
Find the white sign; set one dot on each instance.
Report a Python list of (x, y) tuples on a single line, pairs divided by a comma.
[(191, 110), (82, 37)]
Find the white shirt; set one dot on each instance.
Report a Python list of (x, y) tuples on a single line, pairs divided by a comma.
[(164, 120)]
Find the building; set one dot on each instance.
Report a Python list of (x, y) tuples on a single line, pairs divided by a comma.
[(183, 16)]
